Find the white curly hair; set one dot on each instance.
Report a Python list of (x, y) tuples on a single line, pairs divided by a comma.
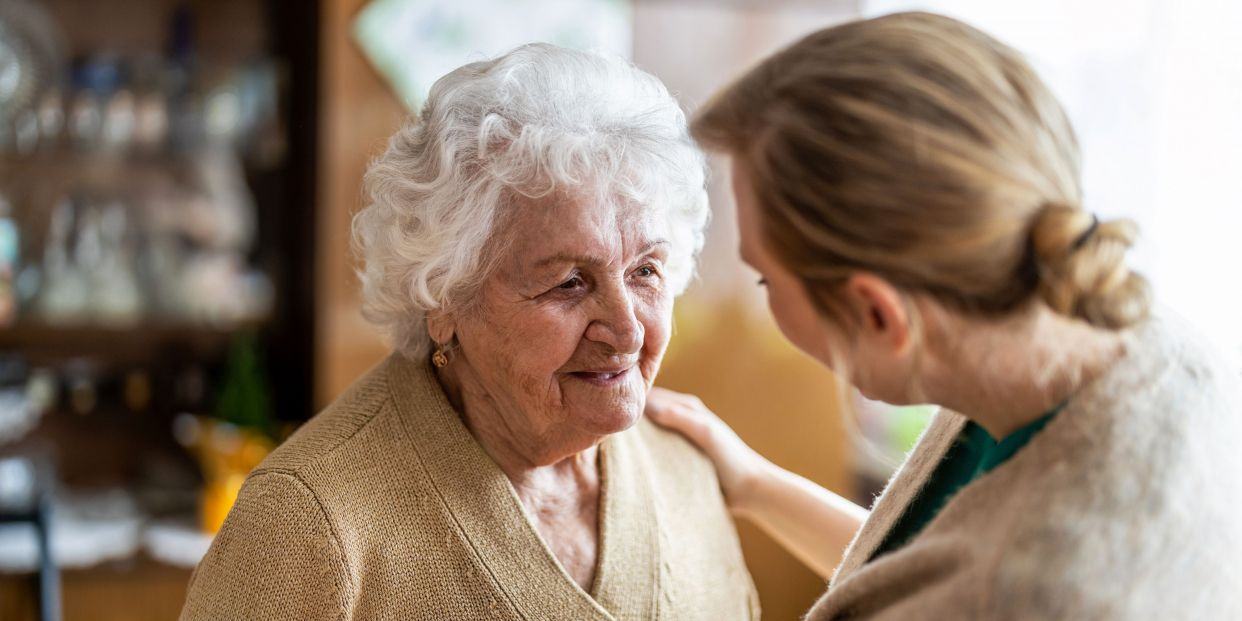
[(537, 121)]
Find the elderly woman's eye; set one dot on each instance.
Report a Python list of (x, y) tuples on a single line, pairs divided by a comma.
[(572, 283), (647, 271)]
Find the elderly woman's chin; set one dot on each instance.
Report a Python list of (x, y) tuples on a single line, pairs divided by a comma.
[(602, 404)]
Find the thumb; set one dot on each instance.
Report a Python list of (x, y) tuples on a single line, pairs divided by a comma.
[(682, 419)]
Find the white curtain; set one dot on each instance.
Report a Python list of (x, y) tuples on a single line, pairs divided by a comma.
[(1154, 88)]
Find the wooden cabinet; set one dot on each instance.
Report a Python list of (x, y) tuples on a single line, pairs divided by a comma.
[(136, 590)]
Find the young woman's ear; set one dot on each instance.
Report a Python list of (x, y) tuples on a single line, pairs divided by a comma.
[(879, 310)]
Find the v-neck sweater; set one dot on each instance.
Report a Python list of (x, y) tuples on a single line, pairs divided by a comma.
[(384, 506), (974, 454), (1123, 507)]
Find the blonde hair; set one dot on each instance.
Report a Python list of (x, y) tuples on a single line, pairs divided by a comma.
[(922, 150)]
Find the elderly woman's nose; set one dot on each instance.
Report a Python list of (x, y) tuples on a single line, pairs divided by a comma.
[(616, 323)]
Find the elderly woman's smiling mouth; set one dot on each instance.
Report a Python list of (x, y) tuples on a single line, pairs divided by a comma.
[(603, 377)]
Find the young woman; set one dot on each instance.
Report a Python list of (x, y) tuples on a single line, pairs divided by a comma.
[(909, 191)]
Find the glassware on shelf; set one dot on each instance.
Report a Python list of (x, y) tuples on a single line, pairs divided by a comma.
[(25, 131), (63, 295), (150, 122), (115, 295), (50, 112), (135, 187), (30, 52), (119, 120), (21, 405), (10, 246)]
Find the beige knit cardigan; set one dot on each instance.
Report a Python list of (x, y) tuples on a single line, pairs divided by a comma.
[(384, 507), (1128, 505)]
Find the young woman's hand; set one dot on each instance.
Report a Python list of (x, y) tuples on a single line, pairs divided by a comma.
[(813, 523), (737, 465)]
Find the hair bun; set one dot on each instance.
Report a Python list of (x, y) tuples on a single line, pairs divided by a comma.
[(1082, 267)]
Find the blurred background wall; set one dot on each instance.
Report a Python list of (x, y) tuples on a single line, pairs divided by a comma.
[(177, 294)]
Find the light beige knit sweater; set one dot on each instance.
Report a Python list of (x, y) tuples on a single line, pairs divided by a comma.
[(1127, 506), (384, 507)]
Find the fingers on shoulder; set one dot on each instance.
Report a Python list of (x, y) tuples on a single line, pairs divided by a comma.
[(665, 399)]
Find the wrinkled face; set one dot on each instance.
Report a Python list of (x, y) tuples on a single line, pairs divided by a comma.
[(568, 333)]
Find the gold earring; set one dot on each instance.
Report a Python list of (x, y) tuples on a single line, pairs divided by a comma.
[(439, 358)]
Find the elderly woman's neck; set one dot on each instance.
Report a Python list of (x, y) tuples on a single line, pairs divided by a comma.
[(531, 459)]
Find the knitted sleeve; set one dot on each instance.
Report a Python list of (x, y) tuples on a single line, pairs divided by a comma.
[(276, 557)]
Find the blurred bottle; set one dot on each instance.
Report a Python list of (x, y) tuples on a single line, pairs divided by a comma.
[(185, 111), (119, 120), (81, 377), (95, 79), (63, 296), (244, 398), (51, 115), (115, 295), (150, 106), (10, 244)]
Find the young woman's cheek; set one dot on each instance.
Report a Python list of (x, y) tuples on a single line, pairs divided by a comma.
[(798, 321)]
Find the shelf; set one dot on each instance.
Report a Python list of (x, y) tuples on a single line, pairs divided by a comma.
[(44, 343)]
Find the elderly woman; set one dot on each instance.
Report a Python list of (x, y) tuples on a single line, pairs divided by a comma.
[(525, 239)]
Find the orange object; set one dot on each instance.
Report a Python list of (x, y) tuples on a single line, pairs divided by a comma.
[(226, 454), (217, 499)]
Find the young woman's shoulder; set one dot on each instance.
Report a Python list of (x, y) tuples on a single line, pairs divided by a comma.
[(1129, 503)]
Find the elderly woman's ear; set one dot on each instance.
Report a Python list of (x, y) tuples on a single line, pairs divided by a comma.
[(440, 327)]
